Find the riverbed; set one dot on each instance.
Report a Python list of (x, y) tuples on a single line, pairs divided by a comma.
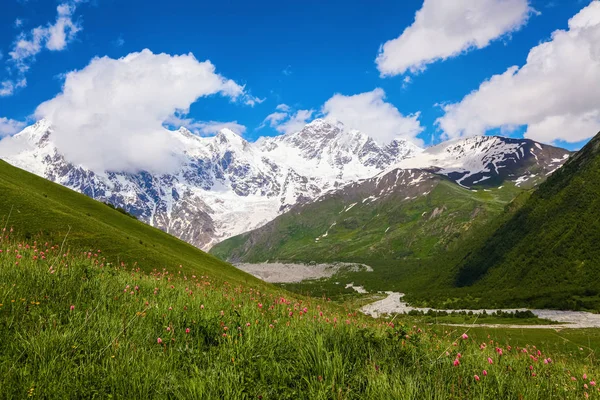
[(393, 304), (292, 273)]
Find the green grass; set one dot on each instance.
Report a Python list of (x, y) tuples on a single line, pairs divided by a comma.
[(36, 208), (74, 327)]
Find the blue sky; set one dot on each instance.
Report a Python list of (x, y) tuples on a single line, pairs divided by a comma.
[(298, 54)]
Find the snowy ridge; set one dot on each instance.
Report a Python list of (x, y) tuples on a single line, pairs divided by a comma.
[(479, 159), (226, 185)]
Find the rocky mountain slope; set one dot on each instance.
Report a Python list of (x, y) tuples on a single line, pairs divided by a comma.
[(225, 185), (413, 210)]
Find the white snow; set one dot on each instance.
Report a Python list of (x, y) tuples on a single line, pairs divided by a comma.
[(350, 207), (358, 289)]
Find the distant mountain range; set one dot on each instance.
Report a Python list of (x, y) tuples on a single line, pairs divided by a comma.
[(227, 186), (410, 211)]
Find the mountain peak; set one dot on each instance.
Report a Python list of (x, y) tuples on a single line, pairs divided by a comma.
[(186, 132), (229, 138), (37, 133)]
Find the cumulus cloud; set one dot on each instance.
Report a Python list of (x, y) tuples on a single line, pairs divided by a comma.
[(9, 127), (110, 114), (367, 112), (554, 94), (443, 29), (371, 114)]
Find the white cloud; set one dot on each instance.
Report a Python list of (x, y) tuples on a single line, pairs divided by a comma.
[(287, 122), (295, 122), (212, 127), (63, 30), (8, 86), (446, 28), (554, 94), (110, 114), (252, 100), (54, 37), (205, 128), (371, 114), (368, 112), (9, 127), (274, 119), (119, 42)]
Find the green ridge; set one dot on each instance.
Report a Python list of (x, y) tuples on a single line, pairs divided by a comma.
[(548, 252), (45, 211)]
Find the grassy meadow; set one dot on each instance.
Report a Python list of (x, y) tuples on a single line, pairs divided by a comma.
[(75, 325)]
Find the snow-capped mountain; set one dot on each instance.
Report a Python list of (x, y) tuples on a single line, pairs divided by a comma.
[(225, 185), (488, 160)]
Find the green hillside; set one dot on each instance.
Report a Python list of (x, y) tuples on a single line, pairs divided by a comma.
[(391, 230), (37, 209), (548, 252)]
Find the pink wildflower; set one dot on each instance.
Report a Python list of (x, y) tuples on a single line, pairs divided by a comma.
[(72, 307), (456, 362), (187, 330), (477, 378), (490, 360), (159, 341), (465, 336), (484, 372)]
